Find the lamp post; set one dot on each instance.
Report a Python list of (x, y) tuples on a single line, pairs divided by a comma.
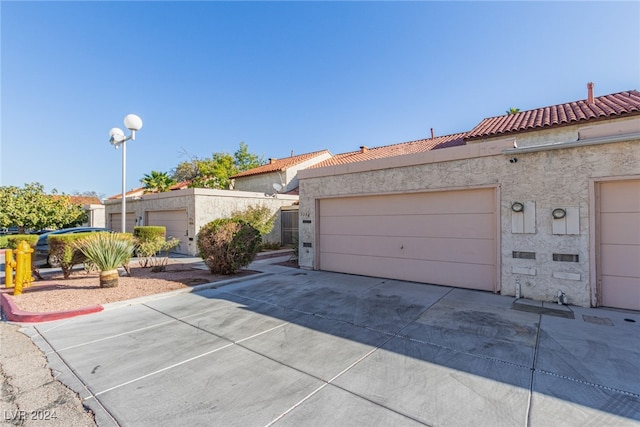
[(117, 138)]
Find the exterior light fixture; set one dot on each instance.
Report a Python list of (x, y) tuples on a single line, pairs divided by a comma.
[(558, 213), (117, 138), (517, 207)]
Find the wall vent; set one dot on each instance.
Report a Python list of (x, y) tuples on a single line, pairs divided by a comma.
[(566, 257), (524, 255)]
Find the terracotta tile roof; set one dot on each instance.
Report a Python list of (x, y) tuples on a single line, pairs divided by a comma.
[(401, 149), (280, 164), (130, 193), (81, 200), (180, 185), (607, 106)]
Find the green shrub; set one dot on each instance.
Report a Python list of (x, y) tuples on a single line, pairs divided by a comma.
[(63, 252), (259, 217), (14, 239), (4, 242), (106, 251), (149, 232), (226, 245)]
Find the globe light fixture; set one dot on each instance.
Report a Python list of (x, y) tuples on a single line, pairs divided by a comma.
[(117, 138)]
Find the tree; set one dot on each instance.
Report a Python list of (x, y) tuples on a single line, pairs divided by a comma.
[(100, 196), (513, 110), (157, 181), (215, 172), (30, 208)]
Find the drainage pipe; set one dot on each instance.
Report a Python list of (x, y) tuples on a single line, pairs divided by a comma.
[(573, 144)]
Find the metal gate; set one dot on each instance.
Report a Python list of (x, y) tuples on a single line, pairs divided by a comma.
[(289, 228)]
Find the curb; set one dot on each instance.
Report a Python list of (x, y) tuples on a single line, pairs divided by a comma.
[(13, 314)]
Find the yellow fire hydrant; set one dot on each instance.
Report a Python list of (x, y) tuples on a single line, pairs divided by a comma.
[(22, 266)]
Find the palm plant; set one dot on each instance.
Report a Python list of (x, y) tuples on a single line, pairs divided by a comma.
[(107, 251), (157, 181)]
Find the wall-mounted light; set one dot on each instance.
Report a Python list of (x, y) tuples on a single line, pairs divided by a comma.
[(558, 213), (517, 207)]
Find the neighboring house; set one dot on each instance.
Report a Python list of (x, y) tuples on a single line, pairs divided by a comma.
[(536, 204), (279, 175), (183, 211), (94, 208)]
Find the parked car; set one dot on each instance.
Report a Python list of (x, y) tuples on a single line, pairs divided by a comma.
[(41, 257)]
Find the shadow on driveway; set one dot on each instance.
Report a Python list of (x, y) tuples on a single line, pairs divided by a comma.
[(316, 348)]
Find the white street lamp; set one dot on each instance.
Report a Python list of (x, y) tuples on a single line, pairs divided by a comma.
[(117, 138)]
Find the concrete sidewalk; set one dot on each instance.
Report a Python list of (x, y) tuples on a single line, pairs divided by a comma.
[(296, 347)]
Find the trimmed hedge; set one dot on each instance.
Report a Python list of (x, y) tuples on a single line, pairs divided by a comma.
[(14, 239), (146, 233)]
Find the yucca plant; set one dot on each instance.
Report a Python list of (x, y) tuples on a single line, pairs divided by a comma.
[(107, 252)]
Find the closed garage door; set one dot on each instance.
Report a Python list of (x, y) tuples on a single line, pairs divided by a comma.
[(176, 223), (447, 238), (116, 222), (619, 244)]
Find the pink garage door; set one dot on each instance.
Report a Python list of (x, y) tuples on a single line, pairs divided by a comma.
[(619, 244), (447, 238), (176, 223), (116, 222)]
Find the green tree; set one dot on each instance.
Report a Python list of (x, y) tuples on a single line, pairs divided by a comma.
[(216, 171), (513, 110), (30, 208), (157, 181)]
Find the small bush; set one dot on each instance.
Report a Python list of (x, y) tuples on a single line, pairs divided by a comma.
[(259, 217), (14, 239), (64, 253), (106, 251), (226, 245), (149, 232), (4, 242)]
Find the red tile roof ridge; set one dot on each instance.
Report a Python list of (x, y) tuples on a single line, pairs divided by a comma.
[(615, 104), (392, 150), (281, 164)]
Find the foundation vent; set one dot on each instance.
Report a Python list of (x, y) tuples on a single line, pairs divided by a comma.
[(523, 255), (566, 257)]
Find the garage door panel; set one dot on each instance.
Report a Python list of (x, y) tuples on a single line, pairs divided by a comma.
[(620, 228), (622, 292), (619, 243), (478, 251), (620, 196), (464, 201), (621, 260), (176, 224), (116, 222), (479, 226), (446, 238), (436, 272)]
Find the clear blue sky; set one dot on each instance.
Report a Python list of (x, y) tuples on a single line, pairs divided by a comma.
[(283, 76)]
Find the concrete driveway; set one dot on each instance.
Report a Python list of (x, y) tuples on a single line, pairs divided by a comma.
[(307, 348)]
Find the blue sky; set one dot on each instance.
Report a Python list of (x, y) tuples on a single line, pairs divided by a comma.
[(282, 76)]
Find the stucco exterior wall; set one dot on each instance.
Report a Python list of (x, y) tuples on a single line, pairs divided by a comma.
[(551, 179), (95, 215), (202, 206)]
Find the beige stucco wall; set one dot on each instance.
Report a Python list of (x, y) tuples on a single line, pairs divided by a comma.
[(95, 215), (202, 206), (551, 179)]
